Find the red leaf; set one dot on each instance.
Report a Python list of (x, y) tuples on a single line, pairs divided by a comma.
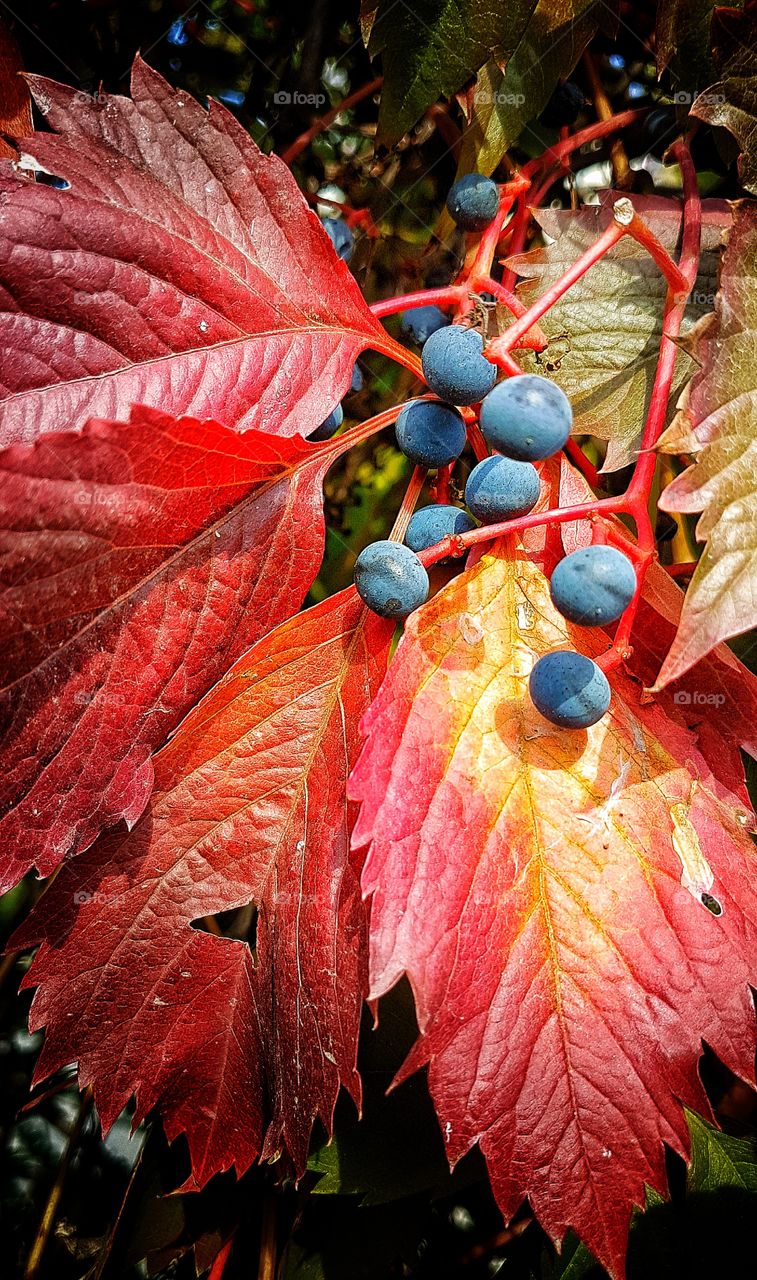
[(717, 699), (543, 890), (15, 101), (138, 561), (182, 269), (250, 803)]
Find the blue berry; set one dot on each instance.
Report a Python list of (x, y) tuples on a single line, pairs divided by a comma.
[(420, 322), (499, 489), (431, 434), (340, 236), (454, 367), (473, 201), (357, 379), (569, 690), (330, 425), (526, 417), (391, 580), (430, 524), (593, 586), (564, 106)]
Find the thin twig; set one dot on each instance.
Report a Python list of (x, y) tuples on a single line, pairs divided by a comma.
[(49, 1214), (620, 167)]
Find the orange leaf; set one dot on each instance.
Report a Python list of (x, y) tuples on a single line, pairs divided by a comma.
[(576, 911)]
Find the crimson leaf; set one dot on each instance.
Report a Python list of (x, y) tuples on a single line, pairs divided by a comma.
[(240, 1052), (137, 560), (181, 269)]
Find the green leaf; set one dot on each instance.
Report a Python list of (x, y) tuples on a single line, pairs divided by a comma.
[(432, 47), (605, 332), (503, 102), (718, 1160), (697, 1235), (396, 1149)]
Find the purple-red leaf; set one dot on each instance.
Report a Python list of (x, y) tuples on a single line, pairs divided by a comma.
[(181, 269), (240, 1051), (137, 561)]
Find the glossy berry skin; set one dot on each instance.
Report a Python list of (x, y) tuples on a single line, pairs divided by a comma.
[(526, 417), (430, 524), (569, 690), (419, 323), (340, 236), (330, 425), (390, 579), (431, 434), (454, 367), (659, 130), (593, 586), (500, 489), (473, 201)]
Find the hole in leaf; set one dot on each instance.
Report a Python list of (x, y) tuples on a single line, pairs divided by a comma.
[(713, 906), (240, 923)]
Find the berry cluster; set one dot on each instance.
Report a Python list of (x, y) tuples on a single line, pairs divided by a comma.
[(525, 419)]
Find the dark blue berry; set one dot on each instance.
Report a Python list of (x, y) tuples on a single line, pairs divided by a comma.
[(330, 425), (500, 489), (564, 106), (430, 524), (340, 236), (473, 201), (454, 367), (660, 130), (526, 417), (357, 379), (391, 580), (593, 586), (419, 323), (431, 434), (569, 690)]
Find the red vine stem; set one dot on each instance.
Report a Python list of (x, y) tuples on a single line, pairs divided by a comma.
[(483, 253), (625, 222), (522, 218), (637, 496), (454, 295), (635, 502), (602, 129), (447, 295), (304, 140), (608, 238)]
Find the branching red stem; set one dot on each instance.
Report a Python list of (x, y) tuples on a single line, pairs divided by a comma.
[(448, 295)]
